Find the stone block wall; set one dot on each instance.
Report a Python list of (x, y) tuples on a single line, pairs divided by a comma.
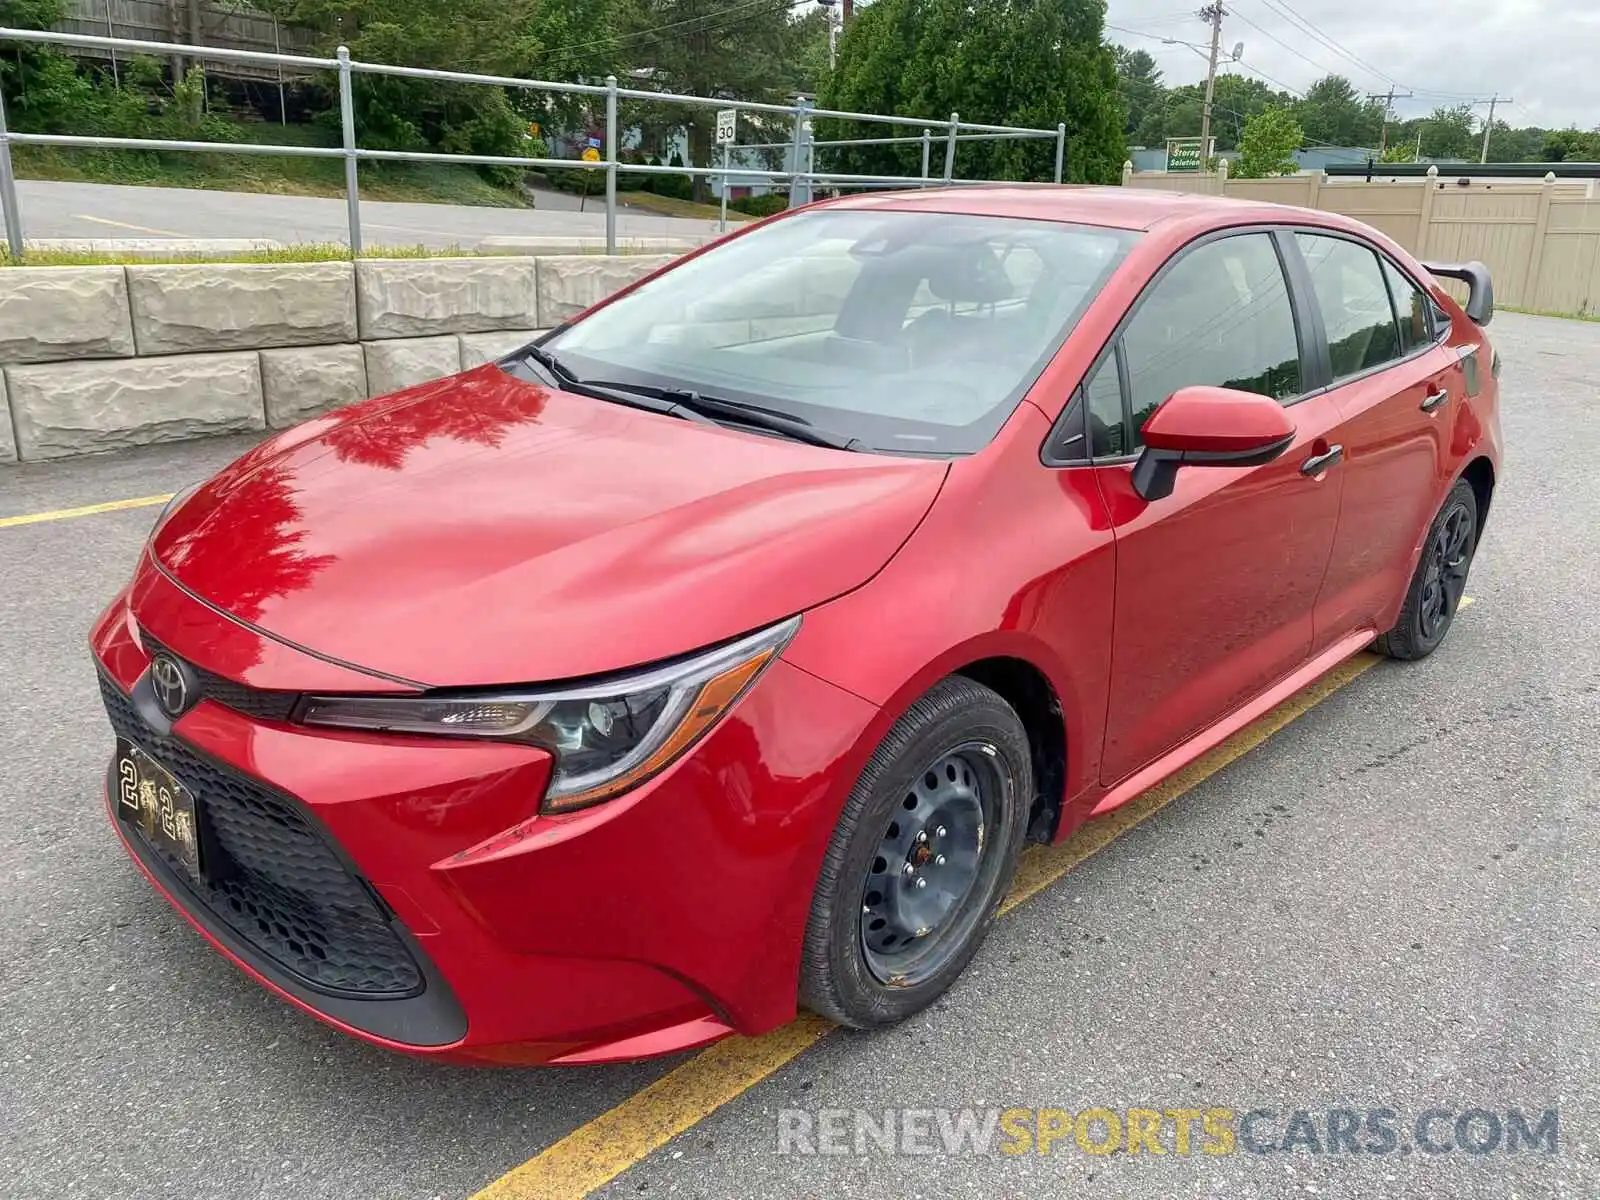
[(100, 358)]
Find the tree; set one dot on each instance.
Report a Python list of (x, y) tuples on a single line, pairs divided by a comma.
[(1004, 62), (1447, 133), (1236, 100), (1139, 79), (1571, 145), (696, 47), (1333, 113), (1267, 148)]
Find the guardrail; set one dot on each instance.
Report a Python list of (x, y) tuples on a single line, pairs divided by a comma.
[(801, 176)]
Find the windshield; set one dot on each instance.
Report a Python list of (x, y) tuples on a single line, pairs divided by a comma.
[(908, 331)]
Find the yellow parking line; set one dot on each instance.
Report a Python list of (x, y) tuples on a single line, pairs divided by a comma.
[(125, 225), (87, 510), (597, 1152)]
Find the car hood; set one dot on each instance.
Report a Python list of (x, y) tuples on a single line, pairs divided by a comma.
[(486, 530)]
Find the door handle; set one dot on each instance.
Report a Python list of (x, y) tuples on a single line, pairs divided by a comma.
[(1434, 399), (1318, 463)]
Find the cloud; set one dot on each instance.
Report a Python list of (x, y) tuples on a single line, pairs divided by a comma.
[(1444, 52)]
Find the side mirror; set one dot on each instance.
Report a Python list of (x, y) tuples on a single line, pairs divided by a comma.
[(1208, 427)]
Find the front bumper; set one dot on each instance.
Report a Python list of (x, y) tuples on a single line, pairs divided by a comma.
[(657, 921)]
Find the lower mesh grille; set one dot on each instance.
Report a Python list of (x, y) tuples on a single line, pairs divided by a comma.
[(272, 878)]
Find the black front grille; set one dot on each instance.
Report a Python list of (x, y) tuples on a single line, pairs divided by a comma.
[(253, 702), (272, 878)]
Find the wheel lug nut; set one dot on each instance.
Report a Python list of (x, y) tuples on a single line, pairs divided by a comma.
[(908, 869), (939, 862), (922, 837), (939, 832), (922, 883)]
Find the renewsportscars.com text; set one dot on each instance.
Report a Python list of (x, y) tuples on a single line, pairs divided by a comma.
[(1214, 1130)]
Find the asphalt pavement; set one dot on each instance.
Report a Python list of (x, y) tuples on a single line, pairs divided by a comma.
[(104, 210), (1390, 904)]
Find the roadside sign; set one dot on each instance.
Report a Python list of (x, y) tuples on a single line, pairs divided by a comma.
[(533, 128), (594, 142), (1184, 154), (727, 122), (590, 154)]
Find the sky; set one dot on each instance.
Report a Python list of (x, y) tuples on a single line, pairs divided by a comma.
[(1539, 52)]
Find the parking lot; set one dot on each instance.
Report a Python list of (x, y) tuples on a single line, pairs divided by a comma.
[(1382, 899)]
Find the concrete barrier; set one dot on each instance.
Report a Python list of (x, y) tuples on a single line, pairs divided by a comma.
[(8, 441), (480, 348), (99, 358), (241, 306), (49, 314), (404, 362), (570, 283), (403, 298), (63, 409), (299, 382)]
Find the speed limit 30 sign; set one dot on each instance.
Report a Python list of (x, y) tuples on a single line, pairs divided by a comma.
[(727, 121)]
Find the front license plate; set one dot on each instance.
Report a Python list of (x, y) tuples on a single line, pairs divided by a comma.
[(162, 808)]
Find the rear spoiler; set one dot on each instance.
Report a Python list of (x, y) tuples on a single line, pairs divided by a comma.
[(1480, 288)]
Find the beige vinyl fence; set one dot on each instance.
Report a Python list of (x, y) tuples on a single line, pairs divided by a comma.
[(1540, 240)]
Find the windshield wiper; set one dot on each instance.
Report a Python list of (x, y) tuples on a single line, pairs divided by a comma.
[(684, 399), (616, 393)]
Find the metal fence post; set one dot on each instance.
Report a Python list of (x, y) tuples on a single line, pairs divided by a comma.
[(950, 148), (799, 188), (347, 120), (722, 224), (927, 151), (8, 189), (1061, 148), (611, 164)]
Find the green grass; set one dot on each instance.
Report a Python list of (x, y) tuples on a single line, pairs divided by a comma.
[(671, 206), (1540, 312), (435, 183), (304, 252)]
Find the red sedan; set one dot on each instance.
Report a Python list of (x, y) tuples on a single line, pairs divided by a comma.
[(718, 653)]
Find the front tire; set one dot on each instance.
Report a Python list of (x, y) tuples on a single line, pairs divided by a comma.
[(1439, 581), (922, 856)]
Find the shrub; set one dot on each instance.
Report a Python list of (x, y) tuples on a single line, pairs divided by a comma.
[(760, 206)]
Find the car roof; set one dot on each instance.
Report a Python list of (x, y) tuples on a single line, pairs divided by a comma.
[(1114, 207)]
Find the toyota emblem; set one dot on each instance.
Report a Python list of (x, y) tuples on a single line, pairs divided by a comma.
[(170, 682)]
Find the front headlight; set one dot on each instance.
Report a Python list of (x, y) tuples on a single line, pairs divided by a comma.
[(607, 737)]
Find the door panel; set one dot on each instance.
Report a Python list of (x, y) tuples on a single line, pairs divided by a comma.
[(1215, 589), (1385, 368), (1216, 584), (1394, 462)]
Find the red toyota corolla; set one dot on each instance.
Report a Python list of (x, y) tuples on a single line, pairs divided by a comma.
[(718, 653)]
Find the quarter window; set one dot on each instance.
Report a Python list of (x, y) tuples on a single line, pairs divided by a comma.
[(1356, 309), (1221, 316)]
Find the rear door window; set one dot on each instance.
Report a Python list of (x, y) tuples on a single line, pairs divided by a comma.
[(1354, 297)]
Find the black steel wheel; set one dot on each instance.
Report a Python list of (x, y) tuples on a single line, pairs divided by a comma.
[(914, 914), (1439, 581), (921, 858)]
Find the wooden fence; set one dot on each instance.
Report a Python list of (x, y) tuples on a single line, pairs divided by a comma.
[(237, 27), (1541, 240)]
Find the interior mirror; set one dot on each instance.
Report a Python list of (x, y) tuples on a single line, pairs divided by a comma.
[(1208, 427)]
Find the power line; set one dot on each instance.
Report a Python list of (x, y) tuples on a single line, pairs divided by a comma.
[(1281, 42), (719, 19), (1283, 10)]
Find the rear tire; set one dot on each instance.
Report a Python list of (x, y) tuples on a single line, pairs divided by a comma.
[(923, 854), (1440, 578)]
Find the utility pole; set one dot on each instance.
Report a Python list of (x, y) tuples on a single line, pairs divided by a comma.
[(1488, 126), (1388, 99), (1214, 13)]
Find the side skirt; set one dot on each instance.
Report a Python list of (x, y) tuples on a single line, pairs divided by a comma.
[(1210, 737)]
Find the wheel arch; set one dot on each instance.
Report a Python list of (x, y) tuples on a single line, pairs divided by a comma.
[(1028, 691), (1479, 473)]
